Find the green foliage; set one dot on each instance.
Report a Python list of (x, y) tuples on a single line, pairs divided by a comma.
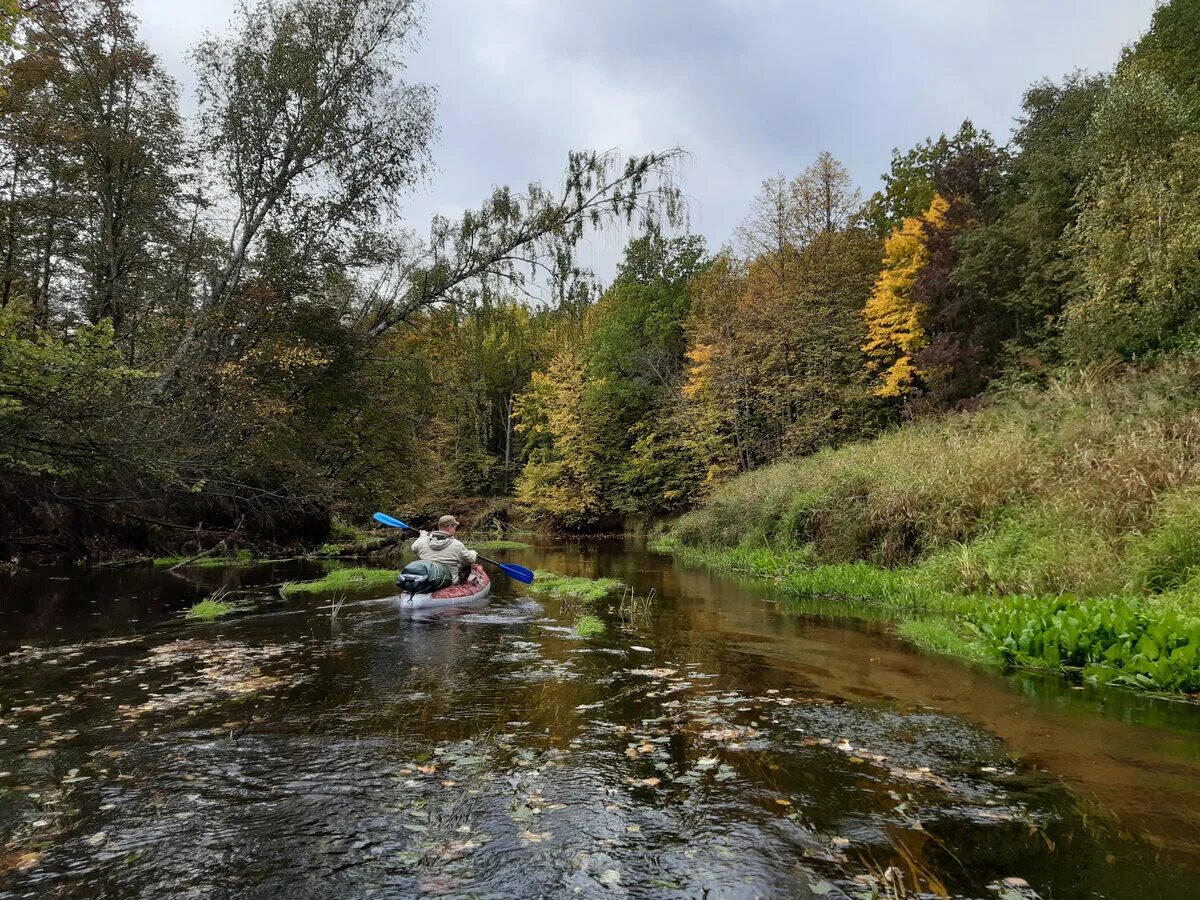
[(1166, 554), (213, 608), (585, 590), (59, 397), (1116, 640), (1038, 491), (917, 175), (343, 580), (589, 625), (241, 558)]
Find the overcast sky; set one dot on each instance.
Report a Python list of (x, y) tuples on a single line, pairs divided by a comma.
[(748, 88)]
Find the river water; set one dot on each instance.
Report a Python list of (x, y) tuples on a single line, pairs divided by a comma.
[(711, 743)]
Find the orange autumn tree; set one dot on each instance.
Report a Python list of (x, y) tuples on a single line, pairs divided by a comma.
[(895, 322)]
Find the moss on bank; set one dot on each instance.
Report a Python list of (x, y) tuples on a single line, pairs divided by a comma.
[(344, 579), (241, 558)]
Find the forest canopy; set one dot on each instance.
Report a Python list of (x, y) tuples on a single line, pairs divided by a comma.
[(212, 326)]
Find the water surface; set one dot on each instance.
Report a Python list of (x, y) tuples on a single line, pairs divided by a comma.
[(713, 744)]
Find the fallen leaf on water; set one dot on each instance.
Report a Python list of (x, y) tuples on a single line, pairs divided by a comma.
[(97, 839), (610, 876), (841, 842), (651, 782), (783, 802), (633, 829), (20, 862), (427, 770), (536, 837)]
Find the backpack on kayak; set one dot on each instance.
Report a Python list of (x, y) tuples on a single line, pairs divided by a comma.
[(424, 577)]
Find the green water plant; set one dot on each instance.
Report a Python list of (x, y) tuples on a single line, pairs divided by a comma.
[(586, 590), (240, 558), (214, 606), (1113, 639), (342, 580), (589, 625)]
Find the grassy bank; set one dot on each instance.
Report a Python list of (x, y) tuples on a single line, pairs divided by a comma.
[(1056, 528)]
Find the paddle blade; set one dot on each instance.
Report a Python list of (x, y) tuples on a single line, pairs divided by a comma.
[(385, 519), (520, 573)]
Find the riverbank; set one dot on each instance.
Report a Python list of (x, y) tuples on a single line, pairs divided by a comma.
[(1056, 528), (1110, 640)]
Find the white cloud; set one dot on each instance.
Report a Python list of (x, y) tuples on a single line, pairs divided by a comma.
[(749, 88)]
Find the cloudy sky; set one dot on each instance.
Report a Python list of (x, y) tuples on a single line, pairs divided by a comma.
[(748, 87)]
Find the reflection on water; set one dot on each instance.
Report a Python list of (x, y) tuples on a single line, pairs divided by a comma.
[(720, 746)]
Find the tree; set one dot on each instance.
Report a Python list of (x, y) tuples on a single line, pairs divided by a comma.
[(895, 320), (1138, 232), (1021, 257), (920, 173), (93, 142)]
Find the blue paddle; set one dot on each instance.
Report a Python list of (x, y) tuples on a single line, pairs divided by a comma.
[(512, 570)]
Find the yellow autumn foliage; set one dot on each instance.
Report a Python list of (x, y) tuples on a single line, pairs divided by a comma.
[(895, 329)]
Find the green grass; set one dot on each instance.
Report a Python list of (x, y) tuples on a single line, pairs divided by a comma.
[(586, 590), (1056, 528), (241, 558), (588, 625), (343, 579), (1121, 640), (208, 609)]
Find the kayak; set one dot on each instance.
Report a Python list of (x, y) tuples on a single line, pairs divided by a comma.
[(476, 587)]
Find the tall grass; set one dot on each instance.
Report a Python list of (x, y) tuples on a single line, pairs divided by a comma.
[(1091, 486), (1078, 506)]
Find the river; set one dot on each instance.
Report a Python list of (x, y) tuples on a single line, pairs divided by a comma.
[(711, 743)]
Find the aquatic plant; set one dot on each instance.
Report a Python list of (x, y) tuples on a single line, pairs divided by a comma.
[(1111, 640), (214, 606), (586, 590), (343, 579), (589, 625)]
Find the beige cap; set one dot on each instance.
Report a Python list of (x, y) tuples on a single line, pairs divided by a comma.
[(446, 521)]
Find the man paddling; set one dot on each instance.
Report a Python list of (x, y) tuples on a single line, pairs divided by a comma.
[(443, 547)]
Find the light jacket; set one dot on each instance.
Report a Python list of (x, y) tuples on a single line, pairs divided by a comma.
[(445, 549)]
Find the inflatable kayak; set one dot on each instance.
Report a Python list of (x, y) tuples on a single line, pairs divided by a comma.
[(476, 587)]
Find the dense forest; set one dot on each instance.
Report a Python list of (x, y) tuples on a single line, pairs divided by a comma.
[(214, 326)]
